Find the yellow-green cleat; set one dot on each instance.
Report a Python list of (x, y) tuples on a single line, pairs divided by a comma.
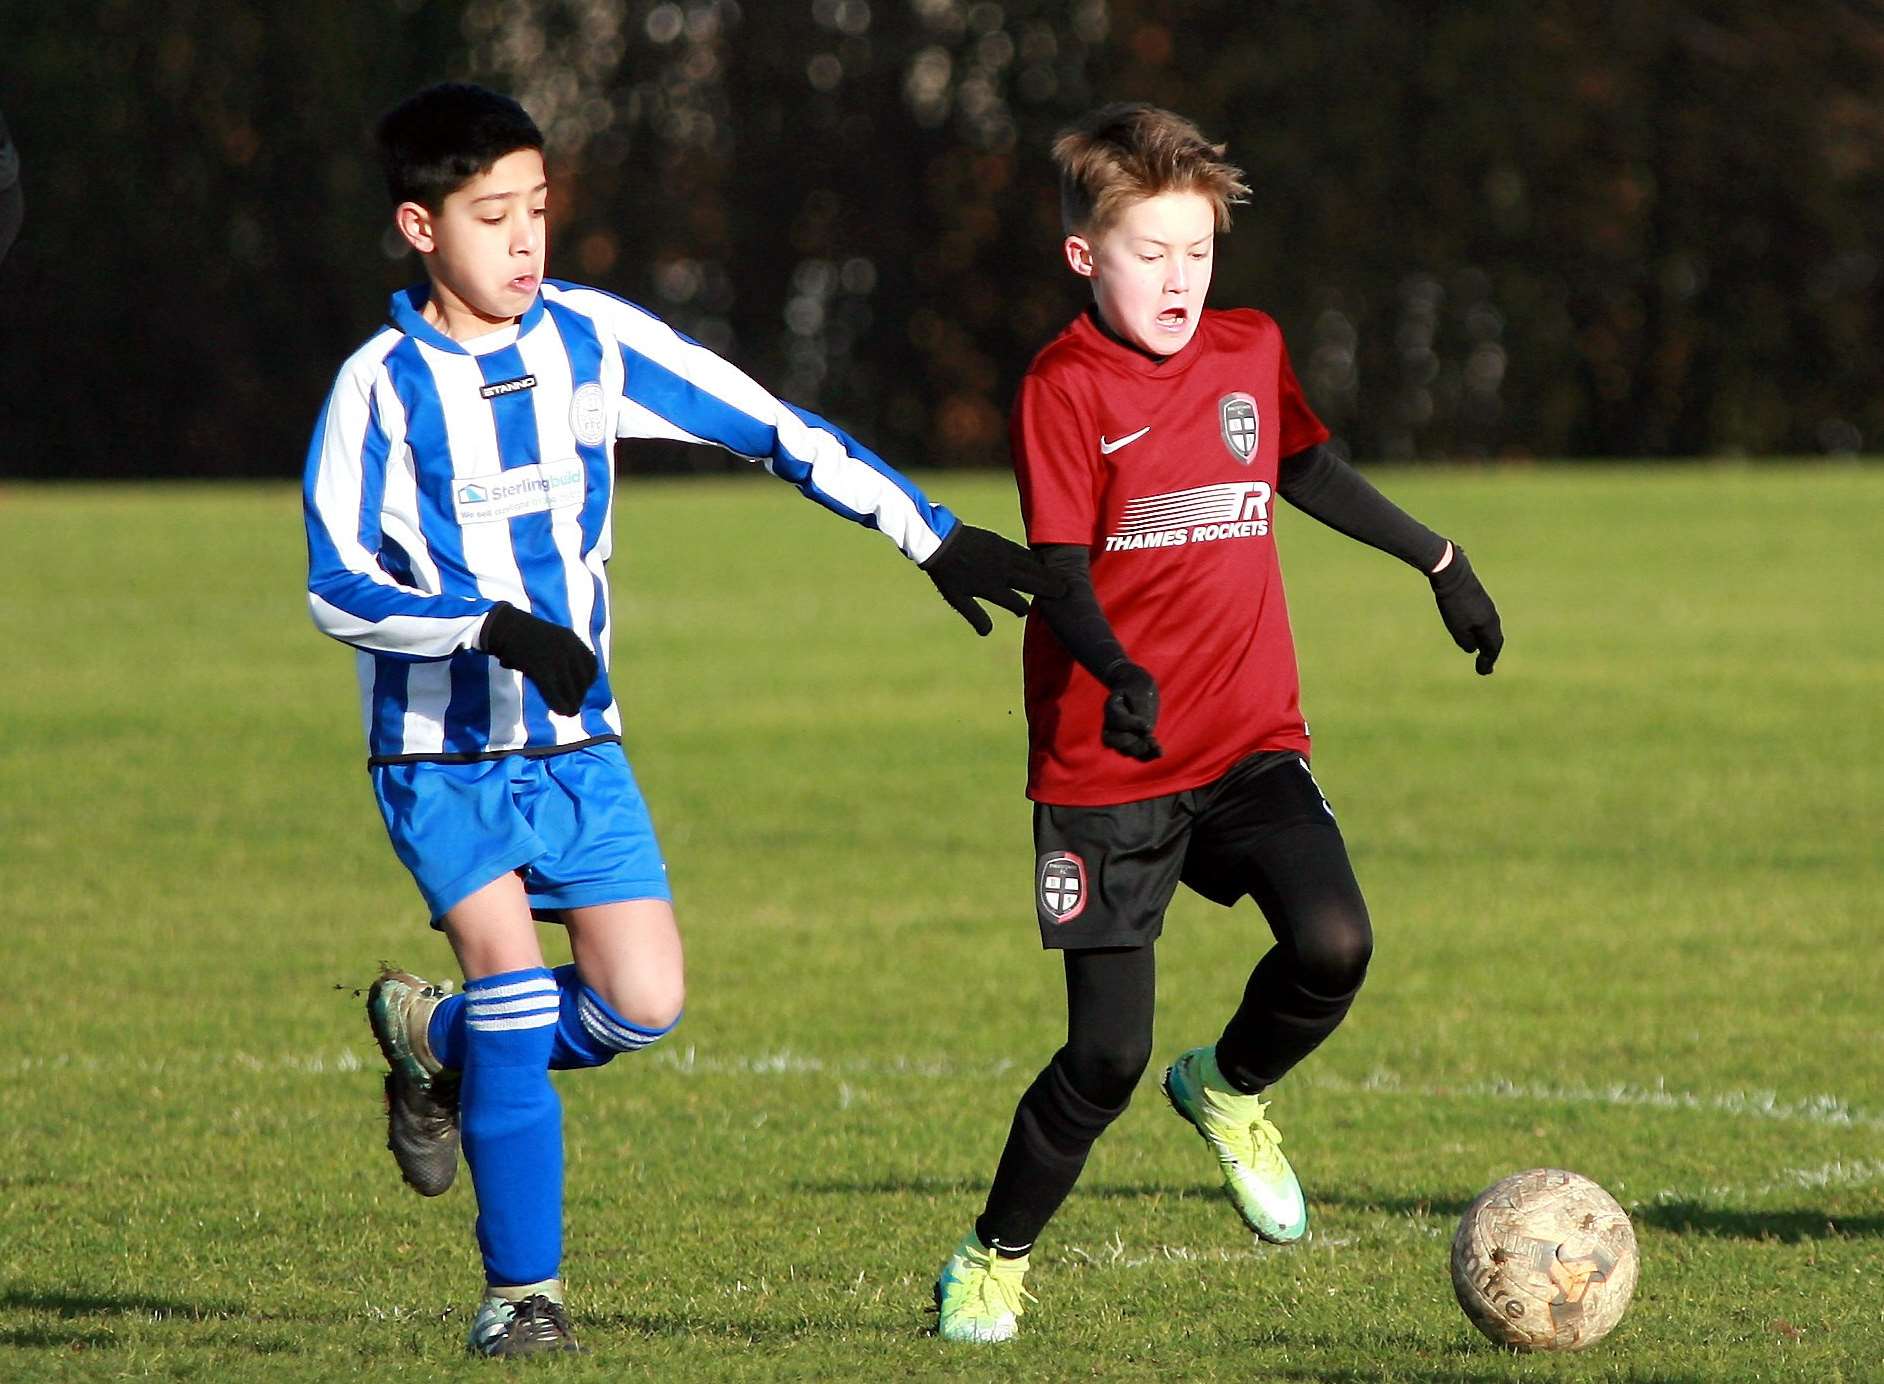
[(1258, 1179), (979, 1295)]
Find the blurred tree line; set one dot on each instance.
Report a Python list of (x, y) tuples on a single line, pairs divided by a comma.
[(1548, 228)]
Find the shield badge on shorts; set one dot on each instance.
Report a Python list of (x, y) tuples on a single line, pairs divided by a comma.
[(1061, 886), (1241, 427)]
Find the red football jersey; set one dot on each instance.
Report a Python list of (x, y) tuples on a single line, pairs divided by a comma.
[(1166, 471)]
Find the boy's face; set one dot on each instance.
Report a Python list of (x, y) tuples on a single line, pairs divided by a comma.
[(485, 247), (1150, 269)]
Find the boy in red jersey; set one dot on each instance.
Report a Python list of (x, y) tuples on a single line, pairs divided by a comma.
[(1151, 441)]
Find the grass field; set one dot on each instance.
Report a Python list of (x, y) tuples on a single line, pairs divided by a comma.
[(1627, 896)]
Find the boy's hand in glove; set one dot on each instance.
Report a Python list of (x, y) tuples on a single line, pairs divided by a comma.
[(976, 564), (1131, 712), (1471, 618), (560, 664)]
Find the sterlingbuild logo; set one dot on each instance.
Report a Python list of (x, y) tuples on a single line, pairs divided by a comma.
[(534, 489), (1202, 514)]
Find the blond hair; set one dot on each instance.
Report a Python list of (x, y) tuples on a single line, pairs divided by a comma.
[(1128, 151)]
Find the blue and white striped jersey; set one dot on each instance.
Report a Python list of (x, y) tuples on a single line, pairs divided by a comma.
[(446, 476)]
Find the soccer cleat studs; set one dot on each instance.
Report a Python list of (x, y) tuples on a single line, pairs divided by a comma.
[(421, 1097)]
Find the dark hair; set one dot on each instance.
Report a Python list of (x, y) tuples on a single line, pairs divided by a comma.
[(433, 143)]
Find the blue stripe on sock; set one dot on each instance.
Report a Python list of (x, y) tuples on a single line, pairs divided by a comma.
[(610, 1029), (588, 1032), (512, 1000)]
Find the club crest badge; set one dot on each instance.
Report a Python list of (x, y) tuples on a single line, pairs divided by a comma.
[(1061, 886), (1241, 426), (588, 419)]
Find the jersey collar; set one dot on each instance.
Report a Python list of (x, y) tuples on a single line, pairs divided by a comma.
[(1123, 353), (407, 312)]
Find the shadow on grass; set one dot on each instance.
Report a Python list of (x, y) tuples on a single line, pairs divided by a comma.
[(978, 1187), (1678, 1217), (1788, 1227), (890, 1186), (742, 1332), (1445, 1207), (1434, 1372), (86, 1320)]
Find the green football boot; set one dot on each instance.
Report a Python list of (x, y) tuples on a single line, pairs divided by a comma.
[(530, 1320), (421, 1096), (979, 1294), (1260, 1183)]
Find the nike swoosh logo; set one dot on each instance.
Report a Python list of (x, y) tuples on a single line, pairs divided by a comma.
[(1110, 447)]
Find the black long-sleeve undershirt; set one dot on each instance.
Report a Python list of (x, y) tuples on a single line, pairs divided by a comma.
[(1075, 618), (1315, 481), (1326, 488)]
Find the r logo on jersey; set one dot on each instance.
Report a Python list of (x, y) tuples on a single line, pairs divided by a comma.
[(1237, 413), (1062, 886)]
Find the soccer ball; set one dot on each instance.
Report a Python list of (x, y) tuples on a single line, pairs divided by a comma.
[(1544, 1260)]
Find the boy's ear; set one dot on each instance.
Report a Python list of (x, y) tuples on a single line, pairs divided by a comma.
[(415, 224), (1079, 255)]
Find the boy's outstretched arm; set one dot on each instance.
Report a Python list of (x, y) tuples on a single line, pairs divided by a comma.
[(1079, 623), (699, 396), (1323, 486)]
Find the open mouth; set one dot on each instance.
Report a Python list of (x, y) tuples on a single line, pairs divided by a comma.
[(1173, 319), (524, 283)]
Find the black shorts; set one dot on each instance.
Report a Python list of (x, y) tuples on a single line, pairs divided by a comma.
[(1103, 876)]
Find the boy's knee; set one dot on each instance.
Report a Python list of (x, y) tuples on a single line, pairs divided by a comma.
[(646, 1001), (631, 1027), (657, 1013), (1106, 1073), (1334, 961), (1064, 1114)]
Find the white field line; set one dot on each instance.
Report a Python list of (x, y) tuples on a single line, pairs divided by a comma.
[(1823, 1110), (1859, 1172), (196, 1061), (1819, 1109), (1814, 1109), (1116, 1254)]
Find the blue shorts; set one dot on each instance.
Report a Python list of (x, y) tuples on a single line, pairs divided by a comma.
[(574, 825)]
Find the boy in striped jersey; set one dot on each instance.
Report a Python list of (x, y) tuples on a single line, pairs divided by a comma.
[(457, 501), (1166, 739)]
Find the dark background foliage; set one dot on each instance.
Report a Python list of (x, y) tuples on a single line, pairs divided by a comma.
[(1548, 228)]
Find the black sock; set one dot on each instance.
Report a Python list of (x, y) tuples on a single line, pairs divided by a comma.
[(1053, 1131)]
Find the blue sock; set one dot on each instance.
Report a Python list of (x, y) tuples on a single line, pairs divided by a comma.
[(513, 1123), (588, 1032), (445, 1032)]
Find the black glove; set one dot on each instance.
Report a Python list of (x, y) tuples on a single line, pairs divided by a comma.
[(975, 563), (560, 664), (1131, 712), (1471, 618)]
